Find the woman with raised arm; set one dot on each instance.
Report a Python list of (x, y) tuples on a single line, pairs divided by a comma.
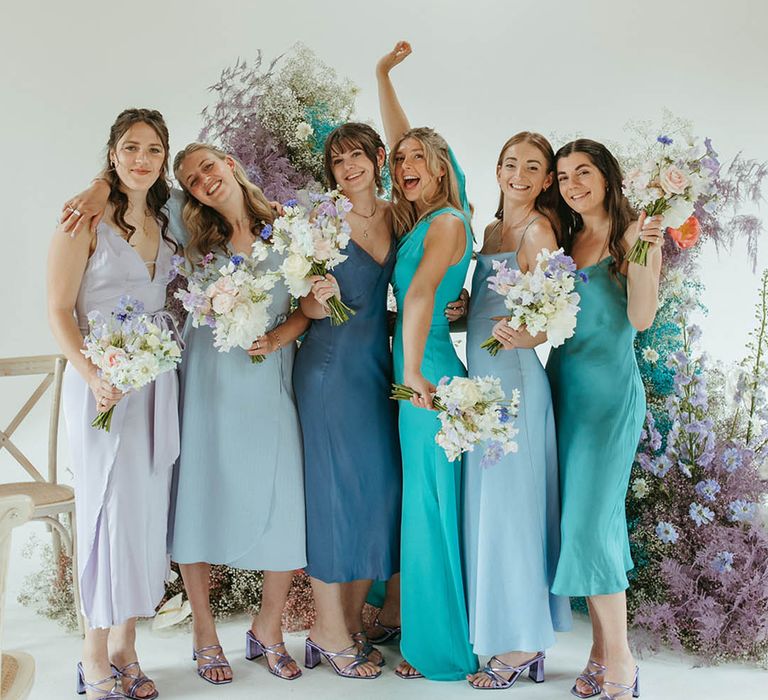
[(342, 377), (511, 509), (123, 476), (599, 402), (239, 496), (432, 221)]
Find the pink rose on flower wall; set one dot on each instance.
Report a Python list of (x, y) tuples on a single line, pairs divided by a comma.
[(673, 180)]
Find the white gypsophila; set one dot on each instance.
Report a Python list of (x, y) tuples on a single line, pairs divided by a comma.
[(304, 131)]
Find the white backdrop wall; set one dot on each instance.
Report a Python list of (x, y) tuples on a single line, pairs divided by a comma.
[(481, 71)]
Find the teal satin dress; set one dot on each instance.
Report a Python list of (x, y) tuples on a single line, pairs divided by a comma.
[(435, 634), (599, 403)]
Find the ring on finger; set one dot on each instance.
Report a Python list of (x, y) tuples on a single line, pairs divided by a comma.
[(76, 212)]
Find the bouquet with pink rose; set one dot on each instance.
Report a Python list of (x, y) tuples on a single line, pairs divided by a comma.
[(232, 299), (129, 348), (678, 175)]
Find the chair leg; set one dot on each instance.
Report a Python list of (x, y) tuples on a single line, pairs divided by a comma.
[(75, 577), (56, 542)]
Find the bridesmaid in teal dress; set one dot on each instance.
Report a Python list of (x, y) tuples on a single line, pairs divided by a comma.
[(511, 511), (432, 221), (600, 403)]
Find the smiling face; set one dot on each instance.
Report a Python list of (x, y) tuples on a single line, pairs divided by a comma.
[(581, 183), (522, 174), (353, 171), (208, 178), (411, 172), (138, 157)]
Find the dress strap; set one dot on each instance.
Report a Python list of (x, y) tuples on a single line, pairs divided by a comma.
[(525, 230)]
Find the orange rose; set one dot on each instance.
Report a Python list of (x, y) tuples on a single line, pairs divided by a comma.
[(688, 233)]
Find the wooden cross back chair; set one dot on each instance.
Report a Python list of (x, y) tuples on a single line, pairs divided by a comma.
[(50, 499)]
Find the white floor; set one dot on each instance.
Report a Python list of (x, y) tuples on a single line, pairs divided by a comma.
[(166, 657)]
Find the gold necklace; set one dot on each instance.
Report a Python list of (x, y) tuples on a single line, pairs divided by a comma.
[(367, 218)]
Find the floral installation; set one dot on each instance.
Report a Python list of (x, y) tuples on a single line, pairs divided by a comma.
[(129, 349), (311, 242), (472, 410), (542, 300), (231, 298)]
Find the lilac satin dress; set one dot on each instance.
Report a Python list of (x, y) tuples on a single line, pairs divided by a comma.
[(122, 477)]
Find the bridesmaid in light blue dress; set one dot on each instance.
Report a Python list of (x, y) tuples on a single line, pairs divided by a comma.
[(432, 220), (239, 497), (511, 509)]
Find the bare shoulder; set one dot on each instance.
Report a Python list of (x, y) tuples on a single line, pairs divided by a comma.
[(541, 235), (446, 225)]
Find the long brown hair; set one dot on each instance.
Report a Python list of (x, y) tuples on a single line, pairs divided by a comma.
[(208, 230), (620, 213), (547, 200), (160, 191), (348, 137), (446, 194)]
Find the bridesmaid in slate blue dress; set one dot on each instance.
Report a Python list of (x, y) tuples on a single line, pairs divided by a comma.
[(432, 221), (511, 509), (600, 403), (239, 497), (342, 377)]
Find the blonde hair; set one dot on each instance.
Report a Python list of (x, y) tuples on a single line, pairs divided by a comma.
[(209, 230), (446, 194)]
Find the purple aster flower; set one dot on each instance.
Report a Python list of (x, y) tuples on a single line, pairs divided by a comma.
[(666, 532), (700, 514), (661, 466), (265, 232), (708, 489), (664, 140), (128, 307), (732, 459), (740, 511), (723, 562)]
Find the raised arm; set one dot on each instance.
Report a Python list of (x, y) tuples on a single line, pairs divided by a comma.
[(444, 245), (67, 260), (643, 280), (392, 114)]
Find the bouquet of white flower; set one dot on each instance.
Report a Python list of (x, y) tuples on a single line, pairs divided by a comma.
[(233, 299), (312, 243), (472, 410), (541, 299), (678, 175), (129, 349)]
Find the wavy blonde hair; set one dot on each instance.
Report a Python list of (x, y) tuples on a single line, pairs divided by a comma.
[(446, 194), (208, 230)]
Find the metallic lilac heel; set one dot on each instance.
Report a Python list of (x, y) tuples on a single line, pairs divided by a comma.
[(255, 649), (314, 653), (623, 689), (589, 677), (390, 633), (138, 679), (367, 648), (495, 666), (217, 661), (83, 686)]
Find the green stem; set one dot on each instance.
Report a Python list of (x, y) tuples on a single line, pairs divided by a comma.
[(758, 356)]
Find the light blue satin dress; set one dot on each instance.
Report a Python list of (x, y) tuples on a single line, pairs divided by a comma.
[(511, 512), (238, 494)]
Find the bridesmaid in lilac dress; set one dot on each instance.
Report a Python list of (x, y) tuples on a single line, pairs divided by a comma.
[(122, 477)]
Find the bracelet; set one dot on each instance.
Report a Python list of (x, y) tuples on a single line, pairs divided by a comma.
[(276, 335)]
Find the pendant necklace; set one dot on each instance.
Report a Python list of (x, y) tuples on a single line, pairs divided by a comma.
[(367, 218)]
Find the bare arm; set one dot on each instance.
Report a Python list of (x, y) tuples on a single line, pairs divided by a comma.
[(315, 304), (67, 260), (392, 114), (281, 335), (84, 210), (444, 245), (643, 280)]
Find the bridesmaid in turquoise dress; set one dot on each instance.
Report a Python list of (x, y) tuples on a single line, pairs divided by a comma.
[(239, 497), (600, 403), (432, 221), (511, 511)]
